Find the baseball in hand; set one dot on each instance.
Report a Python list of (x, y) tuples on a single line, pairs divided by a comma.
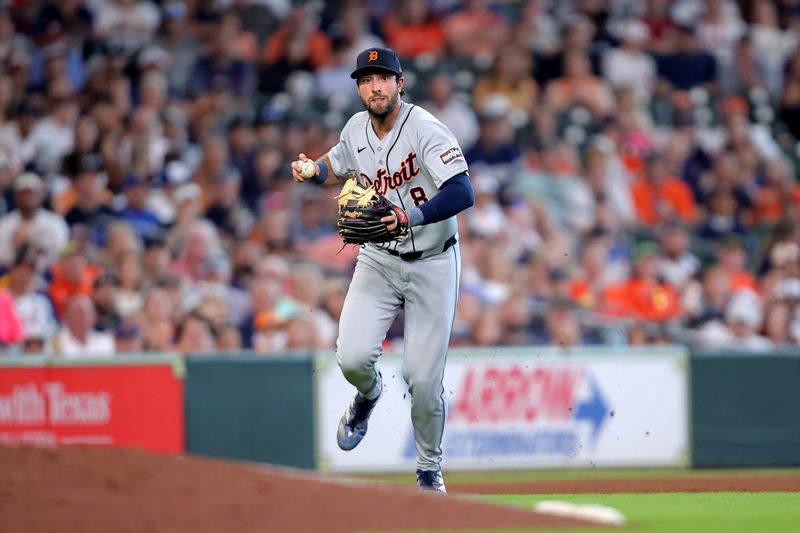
[(308, 169)]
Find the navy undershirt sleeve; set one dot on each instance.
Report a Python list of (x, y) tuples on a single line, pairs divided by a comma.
[(455, 195)]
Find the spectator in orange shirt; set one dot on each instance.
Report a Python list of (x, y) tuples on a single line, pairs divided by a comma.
[(594, 275), (72, 275), (411, 29), (645, 296), (297, 44), (659, 196), (732, 258), (475, 29), (774, 197)]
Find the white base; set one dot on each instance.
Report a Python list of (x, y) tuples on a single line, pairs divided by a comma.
[(592, 512)]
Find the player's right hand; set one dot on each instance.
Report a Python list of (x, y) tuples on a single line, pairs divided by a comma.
[(296, 166)]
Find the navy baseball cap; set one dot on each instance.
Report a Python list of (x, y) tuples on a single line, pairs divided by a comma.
[(377, 59)]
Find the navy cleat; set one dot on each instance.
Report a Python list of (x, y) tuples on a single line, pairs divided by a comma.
[(353, 425), (431, 481)]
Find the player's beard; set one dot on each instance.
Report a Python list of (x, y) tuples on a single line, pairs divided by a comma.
[(381, 112)]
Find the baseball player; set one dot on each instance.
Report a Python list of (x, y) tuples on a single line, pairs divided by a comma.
[(412, 159)]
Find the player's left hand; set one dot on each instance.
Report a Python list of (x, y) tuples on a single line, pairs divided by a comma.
[(397, 221), (391, 220)]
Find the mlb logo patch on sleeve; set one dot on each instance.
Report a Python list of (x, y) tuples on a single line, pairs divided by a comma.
[(450, 155)]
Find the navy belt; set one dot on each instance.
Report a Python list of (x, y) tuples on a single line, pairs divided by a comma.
[(413, 256)]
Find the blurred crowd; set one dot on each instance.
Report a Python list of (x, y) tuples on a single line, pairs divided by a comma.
[(636, 168)]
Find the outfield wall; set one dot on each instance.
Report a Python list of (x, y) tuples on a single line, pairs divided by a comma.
[(125, 402), (249, 408), (526, 408), (746, 409), (508, 408)]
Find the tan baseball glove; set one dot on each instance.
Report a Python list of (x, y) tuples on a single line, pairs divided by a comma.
[(361, 209)]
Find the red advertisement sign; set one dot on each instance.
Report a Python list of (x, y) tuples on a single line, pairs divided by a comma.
[(137, 405)]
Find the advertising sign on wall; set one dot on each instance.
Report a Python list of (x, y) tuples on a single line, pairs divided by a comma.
[(526, 407), (108, 404)]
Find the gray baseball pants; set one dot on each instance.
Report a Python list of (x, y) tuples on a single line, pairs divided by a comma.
[(427, 291)]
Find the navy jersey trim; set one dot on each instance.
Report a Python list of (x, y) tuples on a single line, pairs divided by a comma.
[(366, 134), (457, 258), (400, 196)]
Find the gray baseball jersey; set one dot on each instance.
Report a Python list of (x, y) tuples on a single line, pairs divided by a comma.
[(408, 166)]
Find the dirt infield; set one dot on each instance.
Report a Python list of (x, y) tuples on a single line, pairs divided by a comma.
[(701, 482), (119, 491)]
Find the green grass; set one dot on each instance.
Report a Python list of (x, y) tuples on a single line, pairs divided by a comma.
[(455, 478), (708, 512)]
